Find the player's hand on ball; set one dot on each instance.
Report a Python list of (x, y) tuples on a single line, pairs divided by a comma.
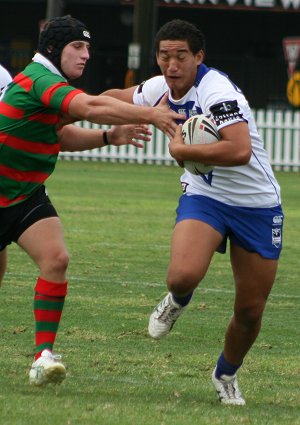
[(175, 145), (129, 135), (199, 130)]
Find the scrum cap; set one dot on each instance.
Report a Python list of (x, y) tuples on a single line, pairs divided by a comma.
[(57, 33)]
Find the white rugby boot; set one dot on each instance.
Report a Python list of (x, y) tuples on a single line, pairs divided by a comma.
[(164, 317), (47, 369), (227, 389)]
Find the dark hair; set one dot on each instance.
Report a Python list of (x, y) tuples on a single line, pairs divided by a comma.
[(178, 29), (57, 33)]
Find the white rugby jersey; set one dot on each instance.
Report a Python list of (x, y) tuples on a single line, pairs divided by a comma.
[(5, 78), (251, 185)]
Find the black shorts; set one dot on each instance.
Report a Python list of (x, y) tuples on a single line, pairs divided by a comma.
[(16, 219)]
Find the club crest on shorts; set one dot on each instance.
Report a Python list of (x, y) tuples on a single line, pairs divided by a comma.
[(276, 237)]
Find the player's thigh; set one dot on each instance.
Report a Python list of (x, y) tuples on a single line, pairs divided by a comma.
[(3, 262), (254, 277), (44, 240), (192, 247)]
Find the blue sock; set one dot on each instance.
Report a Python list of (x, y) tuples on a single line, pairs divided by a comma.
[(225, 368), (183, 301)]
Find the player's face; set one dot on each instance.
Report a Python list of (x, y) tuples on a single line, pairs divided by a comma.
[(178, 65), (74, 57)]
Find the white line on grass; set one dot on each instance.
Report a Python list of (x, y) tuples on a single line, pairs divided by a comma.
[(147, 284)]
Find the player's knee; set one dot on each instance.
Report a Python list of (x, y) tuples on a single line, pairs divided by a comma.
[(182, 282), (250, 316), (56, 262), (61, 261)]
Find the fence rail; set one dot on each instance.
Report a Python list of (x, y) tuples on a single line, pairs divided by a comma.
[(279, 129)]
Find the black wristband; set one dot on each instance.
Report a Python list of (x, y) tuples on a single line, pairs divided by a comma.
[(105, 138)]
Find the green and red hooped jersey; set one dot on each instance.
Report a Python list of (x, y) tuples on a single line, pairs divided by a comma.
[(29, 113)]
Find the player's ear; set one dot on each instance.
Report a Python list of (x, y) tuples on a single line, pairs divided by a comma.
[(199, 57)]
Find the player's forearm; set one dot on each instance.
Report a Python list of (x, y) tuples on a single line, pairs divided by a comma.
[(222, 153), (108, 110), (73, 138)]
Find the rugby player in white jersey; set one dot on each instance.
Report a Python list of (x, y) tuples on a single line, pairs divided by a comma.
[(239, 200), (5, 78)]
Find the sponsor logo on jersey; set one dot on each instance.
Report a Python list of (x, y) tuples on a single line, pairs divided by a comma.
[(188, 109), (226, 111)]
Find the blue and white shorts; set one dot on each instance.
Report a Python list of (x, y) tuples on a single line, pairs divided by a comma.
[(254, 229)]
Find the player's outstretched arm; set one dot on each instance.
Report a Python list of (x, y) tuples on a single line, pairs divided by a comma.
[(107, 110), (73, 138)]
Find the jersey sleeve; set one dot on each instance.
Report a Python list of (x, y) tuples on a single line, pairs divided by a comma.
[(5, 78), (54, 92), (150, 92), (223, 100)]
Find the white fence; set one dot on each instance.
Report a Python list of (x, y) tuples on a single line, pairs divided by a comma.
[(279, 129)]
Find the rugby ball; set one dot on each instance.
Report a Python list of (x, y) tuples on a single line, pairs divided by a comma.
[(199, 129)]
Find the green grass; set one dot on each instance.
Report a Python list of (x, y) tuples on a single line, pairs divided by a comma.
[(118, 220)]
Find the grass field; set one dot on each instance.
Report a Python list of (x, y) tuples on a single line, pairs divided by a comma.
[(118, 220)]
